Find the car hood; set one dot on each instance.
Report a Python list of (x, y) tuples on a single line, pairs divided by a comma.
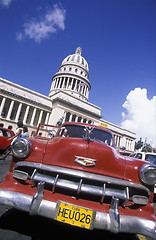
[(71, 152)]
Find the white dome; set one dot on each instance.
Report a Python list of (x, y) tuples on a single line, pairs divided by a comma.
[(76, 59), (72, 77)]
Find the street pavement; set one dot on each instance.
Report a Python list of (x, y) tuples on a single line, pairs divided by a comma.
[(17, 225)]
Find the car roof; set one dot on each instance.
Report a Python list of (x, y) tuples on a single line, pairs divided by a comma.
[(150, 153)]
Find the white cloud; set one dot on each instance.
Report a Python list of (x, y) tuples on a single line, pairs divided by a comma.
[(42, 28), (140, 115), (5, 3)]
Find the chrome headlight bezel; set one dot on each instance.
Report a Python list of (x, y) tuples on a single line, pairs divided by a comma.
[(148, 174), (21, 148)]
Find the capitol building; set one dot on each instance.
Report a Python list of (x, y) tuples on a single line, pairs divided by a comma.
[(68, 101)]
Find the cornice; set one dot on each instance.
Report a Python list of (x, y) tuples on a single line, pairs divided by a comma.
[(75, 107), (26, 100)]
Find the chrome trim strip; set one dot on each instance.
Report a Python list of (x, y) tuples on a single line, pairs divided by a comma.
[(103, 193), (55, 182), (127, 224), (81, 174), (37, 198), (79, 186), (114, 215), (76, 187)]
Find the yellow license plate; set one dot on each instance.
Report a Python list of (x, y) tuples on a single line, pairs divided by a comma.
[(74, 215)]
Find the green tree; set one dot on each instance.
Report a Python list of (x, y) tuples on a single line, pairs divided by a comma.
[(147, 148), (139, 144)]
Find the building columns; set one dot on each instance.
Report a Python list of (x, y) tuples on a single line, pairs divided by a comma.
[(18, 112), (33, 116), (70, 118), (47, 118), (10, 110), (40, 117), (2, 105), (26, 114)]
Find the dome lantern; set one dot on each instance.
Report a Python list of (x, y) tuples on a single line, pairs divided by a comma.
[(78, 50)]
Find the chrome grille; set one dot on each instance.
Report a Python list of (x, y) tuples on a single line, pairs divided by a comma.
[(80, 184)]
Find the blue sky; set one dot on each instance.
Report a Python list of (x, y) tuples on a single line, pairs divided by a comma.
[(117, 37)]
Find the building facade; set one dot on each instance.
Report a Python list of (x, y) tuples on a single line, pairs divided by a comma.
[(68, 100)]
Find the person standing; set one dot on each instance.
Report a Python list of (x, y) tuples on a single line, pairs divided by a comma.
[(18, 132), (25, 133)]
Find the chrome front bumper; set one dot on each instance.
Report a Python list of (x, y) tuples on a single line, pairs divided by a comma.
[(111, 221)]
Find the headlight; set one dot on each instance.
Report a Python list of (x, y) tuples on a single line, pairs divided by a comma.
[(21, 147), (148, 174)]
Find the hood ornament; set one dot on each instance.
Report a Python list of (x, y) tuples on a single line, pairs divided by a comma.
[(87, 134), (86, 162)]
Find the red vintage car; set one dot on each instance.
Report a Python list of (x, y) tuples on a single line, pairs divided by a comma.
[(73, 174), (4, 135)]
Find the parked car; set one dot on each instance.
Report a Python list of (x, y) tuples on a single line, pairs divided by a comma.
[(4, 135), (145, 156), (73, 174)]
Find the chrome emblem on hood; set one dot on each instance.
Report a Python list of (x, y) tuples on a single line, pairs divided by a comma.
[(86, 162)]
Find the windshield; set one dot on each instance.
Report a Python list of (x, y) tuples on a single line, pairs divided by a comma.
[(151, 158), (77, 131)]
